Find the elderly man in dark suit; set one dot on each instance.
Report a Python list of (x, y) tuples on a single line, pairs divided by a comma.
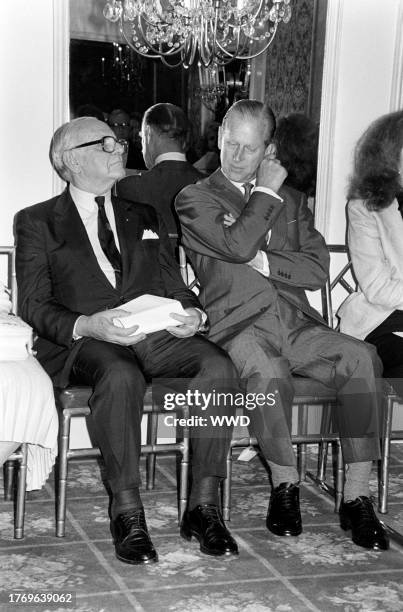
[(81, 254), (255, 251), (164, 134)]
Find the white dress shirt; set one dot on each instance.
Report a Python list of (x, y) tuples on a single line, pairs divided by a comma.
[(88, 211)]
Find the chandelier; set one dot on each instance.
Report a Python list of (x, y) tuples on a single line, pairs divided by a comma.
[(213, 31)]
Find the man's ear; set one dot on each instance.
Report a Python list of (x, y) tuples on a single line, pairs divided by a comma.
[(219, 137), (71, 162), (150, 133), (271, 149)]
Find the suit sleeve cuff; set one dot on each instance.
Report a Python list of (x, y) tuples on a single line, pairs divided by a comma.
[(266, 266), (203, 327)]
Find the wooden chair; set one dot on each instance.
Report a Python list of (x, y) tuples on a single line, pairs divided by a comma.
[(19, 457), (73, 402)]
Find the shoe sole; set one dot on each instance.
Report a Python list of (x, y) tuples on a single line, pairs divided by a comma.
[(285, 532), (207, 551), (142, 562), (345, 524)]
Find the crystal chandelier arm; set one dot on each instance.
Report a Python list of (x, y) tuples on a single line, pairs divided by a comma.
[(156, 51), (206, 50), (253, 55), (129, 42), (168, 64)]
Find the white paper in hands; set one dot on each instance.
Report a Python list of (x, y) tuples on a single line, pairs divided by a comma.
[(150, 313)]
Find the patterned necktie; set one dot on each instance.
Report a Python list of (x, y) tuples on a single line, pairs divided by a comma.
[(247, 187), (107, 240)]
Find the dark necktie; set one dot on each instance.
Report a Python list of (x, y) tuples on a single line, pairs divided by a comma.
[(107, 240), (247, 187)]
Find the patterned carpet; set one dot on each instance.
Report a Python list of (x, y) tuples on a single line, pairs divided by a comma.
[(321, 570)]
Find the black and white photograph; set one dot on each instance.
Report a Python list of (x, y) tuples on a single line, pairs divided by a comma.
[(201, 306)]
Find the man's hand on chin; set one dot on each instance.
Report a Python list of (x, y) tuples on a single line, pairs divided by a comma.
[(191, 323), (100, 326)]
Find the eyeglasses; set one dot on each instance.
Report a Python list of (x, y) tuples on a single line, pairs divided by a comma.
[(119, 124), (109, 144)]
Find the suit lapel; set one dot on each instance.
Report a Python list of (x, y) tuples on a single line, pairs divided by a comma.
[(70, 230), (232, 196), (279, 230)]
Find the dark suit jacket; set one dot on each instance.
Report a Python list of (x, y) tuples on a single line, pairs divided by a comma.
[(233, 293), (158, 187), (59, 277)]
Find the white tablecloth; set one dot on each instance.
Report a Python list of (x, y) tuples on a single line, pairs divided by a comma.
[(28, 414)]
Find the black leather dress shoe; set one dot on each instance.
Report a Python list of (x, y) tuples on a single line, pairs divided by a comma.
[(131, 539), (205, 522), (284, 516), (366, 529)]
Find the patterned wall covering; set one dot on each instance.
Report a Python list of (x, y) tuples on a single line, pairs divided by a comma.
[(289, 61)]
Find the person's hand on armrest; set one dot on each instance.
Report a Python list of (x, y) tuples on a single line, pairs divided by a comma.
[(100, 326)]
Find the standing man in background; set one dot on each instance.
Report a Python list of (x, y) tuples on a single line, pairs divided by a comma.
[(164, 134)]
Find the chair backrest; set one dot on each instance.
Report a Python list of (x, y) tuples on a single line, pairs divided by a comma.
[(339, 280), (9, 252), (188, 275)]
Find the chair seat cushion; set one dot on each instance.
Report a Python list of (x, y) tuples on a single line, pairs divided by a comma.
[(311, 391), (77, 397)]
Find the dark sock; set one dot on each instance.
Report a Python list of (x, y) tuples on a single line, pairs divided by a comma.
[(127, 499), (204, 491), (283, 473)]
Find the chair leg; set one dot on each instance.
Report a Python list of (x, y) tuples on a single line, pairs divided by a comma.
[(21, 488), (302, 429), (184, 474), (226, 491), (64, 443), (8, 471), (385, 456), (339, 486), (323, 446), (152, 429)]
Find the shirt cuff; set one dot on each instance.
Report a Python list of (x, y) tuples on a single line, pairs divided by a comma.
[(266, 266), (203, 324), (76, 336), (269, 192)]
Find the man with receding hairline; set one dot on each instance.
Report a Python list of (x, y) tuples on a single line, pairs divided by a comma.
[(255, 251), (81, 254)]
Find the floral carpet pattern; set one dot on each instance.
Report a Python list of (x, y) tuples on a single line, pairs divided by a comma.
[(320, 571)]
